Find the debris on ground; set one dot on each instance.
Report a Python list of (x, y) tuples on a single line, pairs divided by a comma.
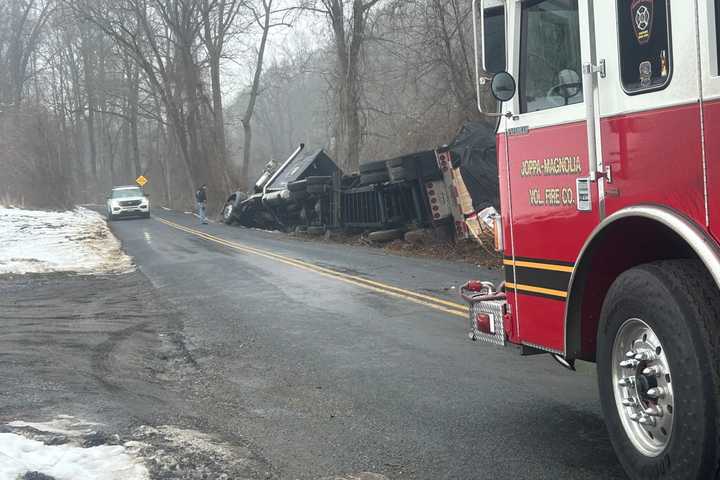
[(468, 251), (422, 244), (77, 241)]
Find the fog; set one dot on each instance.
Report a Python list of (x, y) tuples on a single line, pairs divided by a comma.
[(94, 93)]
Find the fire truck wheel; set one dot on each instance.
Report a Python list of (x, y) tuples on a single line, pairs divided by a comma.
[(658, 353)]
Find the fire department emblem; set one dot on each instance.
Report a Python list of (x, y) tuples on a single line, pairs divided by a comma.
[(642, 12)]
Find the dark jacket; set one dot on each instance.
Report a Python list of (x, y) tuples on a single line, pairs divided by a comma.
[(201, 196)]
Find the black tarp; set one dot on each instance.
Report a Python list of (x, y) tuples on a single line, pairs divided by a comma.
[(474, 151)]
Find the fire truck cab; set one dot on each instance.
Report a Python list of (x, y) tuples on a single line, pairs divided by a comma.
[(608, 144)]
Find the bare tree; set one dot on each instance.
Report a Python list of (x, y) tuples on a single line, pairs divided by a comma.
[(265, 20), (161, 38), (22, 24), (218, 18), (348, 21)]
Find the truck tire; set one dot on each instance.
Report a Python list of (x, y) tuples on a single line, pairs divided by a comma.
[(297, 186), (228, 213), (316, 189), (373, 167), (374, 177), (299, 195), (660, 320), (399, 174), (319, 180), (386, 235)]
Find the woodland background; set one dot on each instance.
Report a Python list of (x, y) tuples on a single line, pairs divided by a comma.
[(94, 93)]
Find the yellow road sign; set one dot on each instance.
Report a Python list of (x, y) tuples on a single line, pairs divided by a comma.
[(141, 180)]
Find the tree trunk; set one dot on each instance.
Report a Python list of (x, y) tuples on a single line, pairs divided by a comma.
[(87, 57), (214, 37), (247, 145), (133, 95), (247, 118)]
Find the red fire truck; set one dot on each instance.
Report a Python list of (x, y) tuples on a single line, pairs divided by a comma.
[(609, 157)]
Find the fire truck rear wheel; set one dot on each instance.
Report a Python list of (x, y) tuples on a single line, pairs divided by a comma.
[(658, 358)]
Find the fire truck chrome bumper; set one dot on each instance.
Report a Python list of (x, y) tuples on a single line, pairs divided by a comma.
[(488, 308), (642, 387)]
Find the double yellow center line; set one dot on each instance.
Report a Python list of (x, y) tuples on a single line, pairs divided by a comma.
[(426, 300)]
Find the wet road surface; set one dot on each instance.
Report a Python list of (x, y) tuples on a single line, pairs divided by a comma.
[(325, 376), (320, 359)]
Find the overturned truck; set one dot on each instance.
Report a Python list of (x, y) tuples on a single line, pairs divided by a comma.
[(427, 189)]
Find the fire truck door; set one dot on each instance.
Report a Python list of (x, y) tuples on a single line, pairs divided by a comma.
[(545, 157), (649, 104)]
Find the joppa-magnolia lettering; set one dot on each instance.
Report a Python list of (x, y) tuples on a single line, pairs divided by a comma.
[(554, 166)]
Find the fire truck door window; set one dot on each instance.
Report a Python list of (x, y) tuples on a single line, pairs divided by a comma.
[(645, 54), (550, 55), (495, 39)]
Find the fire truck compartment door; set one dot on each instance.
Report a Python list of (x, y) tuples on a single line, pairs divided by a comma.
[(649, 104)]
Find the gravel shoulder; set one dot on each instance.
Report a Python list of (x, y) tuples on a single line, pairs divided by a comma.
[(108, 350)]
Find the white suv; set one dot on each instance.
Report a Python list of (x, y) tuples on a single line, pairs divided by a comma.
[(127, 201)]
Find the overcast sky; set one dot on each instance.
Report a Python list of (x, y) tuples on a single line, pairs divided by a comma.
[(308, 31)]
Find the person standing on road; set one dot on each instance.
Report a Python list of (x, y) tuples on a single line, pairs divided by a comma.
[(201, 199)]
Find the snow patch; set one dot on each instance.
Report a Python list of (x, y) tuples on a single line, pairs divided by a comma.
[(77, 241), (67, 448), (20, 455)]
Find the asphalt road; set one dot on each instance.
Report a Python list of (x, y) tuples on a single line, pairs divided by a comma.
[(323, 373)]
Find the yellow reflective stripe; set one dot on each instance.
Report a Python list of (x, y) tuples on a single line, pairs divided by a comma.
[(426, 300), (532, 289), (539, 266)]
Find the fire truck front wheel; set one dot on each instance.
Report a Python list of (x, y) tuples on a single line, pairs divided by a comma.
[(658, 352)]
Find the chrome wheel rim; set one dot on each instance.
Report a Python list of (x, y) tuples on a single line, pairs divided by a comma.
[(642, 384)]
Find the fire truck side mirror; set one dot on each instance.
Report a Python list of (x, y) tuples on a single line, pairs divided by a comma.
[(503, 86)]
